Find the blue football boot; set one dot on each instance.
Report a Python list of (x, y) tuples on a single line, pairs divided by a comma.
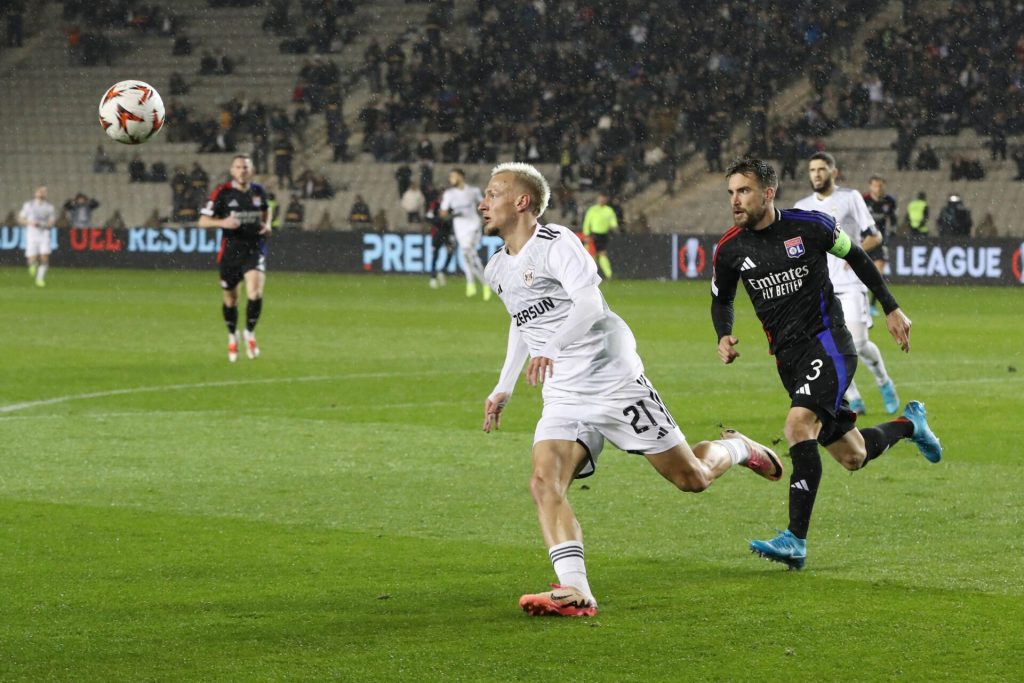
[(858, 407), (785, 548), (889, 397), (923, 436)]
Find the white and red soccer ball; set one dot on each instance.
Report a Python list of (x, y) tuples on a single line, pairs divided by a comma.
[(131, 112)]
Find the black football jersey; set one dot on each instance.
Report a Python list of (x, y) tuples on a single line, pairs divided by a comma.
[(784, 269), (883, 211), (247, 205)]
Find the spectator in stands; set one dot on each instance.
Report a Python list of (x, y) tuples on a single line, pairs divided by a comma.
[(15, 23), (321, 188), (987, 227), (373, 57), (917, 215), (207, 64), (136, 170), (359, 217), (182, 46), (277, 20), (157, 173), (79, 210), (102, 163), (906, 138), (394, 60), (1018, 158), (294, 214), (966, 168), (451, 150), (180, 187), (997, 136), (413, 202), (115, 221), (225, 64), (283, 153), (199, 178), (425, 150), (403, 177), (177, 84), (927, 159), (955, 218)]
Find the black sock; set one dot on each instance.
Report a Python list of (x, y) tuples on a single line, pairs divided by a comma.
[(230, 317), (803, 485), (252, 313), (879, 438)]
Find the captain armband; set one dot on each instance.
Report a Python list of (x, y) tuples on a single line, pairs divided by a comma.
[(842, 245)]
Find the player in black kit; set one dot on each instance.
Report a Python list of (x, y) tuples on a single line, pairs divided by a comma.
[(883, 209), (239, 208), (781, 258)]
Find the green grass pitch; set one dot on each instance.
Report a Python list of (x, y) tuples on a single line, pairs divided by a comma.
[(332, 511)]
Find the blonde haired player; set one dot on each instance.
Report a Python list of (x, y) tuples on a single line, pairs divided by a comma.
[(848, 208), (459, 202), (594, 386), (38, 216)]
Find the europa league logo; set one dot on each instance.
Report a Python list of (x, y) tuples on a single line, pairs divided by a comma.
[(692, 255)]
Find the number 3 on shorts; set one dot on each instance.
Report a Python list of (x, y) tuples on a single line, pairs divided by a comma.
[(815, 369)]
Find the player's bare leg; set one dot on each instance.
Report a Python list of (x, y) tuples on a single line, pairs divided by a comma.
[(555, 464), (694, 470), (40, 272), (255, 280), (230, 310)]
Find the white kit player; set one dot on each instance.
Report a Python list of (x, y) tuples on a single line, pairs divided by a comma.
[(459, 202), (847, 206), (38, 216), (594, 386)]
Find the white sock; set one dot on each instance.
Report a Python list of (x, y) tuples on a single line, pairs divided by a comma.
[(873, 359), (232, 338), (567, 559), (852, 393), (41, 273), (738, 450)]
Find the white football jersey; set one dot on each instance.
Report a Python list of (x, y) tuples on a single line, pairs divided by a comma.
[(535, 284), (462, 205), (38, 214), (851, 213)]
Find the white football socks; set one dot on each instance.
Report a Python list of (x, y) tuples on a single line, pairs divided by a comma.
[(873, 359), (738, 450), (567, 559)]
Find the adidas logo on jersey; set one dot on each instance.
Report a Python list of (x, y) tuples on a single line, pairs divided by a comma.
[(805, 390), (747, 264)]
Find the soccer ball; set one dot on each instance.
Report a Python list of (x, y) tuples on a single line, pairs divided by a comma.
[(131, 112)]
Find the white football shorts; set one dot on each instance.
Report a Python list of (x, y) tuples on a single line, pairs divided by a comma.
[(633, 418), (37, 241), (856, 313), (467, 233)]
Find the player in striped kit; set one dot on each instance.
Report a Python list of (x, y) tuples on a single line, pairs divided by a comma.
[(594, 386)]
